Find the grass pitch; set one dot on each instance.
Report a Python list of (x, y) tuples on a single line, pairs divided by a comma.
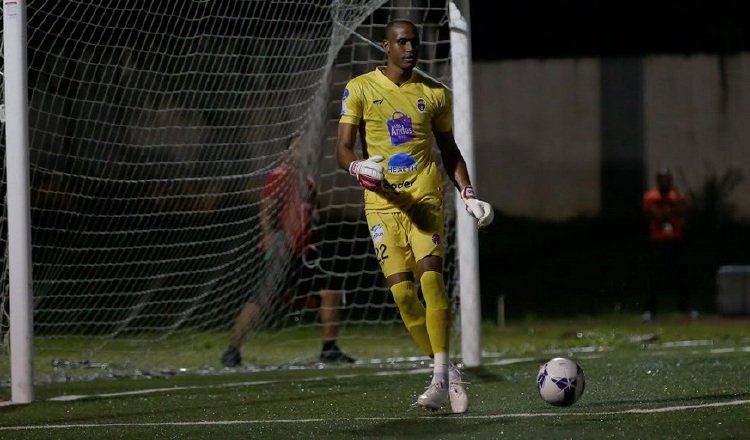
[(668, 379)]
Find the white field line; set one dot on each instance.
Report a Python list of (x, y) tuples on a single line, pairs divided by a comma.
[(377, 419), (71, 397)]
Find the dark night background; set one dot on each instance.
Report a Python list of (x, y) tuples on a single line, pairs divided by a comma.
[(524, 259), (536, 29)]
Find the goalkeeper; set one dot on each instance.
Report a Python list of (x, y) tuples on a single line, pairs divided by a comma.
[(288, 201), (399, 110)]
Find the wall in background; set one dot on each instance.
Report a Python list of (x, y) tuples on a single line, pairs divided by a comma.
[(549, 134)]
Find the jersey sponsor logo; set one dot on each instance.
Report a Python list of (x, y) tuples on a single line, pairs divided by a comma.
[(343, 101), (377, 233), (421, 105), (400, 128), (404, 184), (401, 163)]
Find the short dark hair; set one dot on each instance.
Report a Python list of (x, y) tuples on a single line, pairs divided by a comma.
[(396, 21)]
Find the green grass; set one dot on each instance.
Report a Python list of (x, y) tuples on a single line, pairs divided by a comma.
[(668, 379)]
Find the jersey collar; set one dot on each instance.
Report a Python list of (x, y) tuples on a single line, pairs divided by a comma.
[(384, 79)]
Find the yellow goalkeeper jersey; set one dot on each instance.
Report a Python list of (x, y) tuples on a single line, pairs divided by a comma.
[(399, 121)]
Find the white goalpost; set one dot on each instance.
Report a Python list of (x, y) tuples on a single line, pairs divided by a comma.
[(18, 222), (466, 235), (138, 136)]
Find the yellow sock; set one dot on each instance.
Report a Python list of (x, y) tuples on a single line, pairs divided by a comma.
[(412, 313), (438, 310)]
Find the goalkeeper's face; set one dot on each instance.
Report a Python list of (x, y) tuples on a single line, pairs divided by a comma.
[(402, 45)]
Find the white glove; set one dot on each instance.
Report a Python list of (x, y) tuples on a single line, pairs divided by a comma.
[(482, 211), (369, 172)]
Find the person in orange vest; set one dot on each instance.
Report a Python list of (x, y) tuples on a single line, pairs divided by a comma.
[(665, 207)]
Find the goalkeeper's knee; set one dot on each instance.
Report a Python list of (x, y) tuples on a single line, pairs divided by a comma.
[(411, 309), (433, 290)]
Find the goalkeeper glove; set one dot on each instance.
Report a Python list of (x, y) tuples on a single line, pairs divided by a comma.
[(368, 171), (482, 211)]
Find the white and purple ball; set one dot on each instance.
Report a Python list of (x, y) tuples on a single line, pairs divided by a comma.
[(560, 382)]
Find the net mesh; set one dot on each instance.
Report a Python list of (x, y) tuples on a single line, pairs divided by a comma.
[(153, 126)]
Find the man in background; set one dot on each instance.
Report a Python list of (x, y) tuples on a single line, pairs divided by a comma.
[(288, 203), (664, 207)]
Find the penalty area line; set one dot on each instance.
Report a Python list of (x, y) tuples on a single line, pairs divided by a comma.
[(376, 419), (390, 373)]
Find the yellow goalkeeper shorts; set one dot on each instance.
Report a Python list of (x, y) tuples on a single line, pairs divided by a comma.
[(403, 238)]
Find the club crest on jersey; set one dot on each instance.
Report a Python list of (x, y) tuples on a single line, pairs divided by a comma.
[(377, 233), (421, 105), (400, 128), (435, 239), (402, 163)]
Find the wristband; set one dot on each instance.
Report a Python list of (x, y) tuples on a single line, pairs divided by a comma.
[(468, 193)]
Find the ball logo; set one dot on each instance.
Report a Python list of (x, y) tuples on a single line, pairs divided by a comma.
[(421, 105), (377, 233), (401, 163)]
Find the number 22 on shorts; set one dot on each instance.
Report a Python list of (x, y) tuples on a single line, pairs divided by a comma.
[(380, 252)]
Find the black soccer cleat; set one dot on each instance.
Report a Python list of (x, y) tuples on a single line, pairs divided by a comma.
[(335, 356), (231, 357)]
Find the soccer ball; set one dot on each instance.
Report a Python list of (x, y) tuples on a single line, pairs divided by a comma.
[(560, 382)]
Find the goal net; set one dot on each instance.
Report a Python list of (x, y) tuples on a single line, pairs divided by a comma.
[(152, 129)]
